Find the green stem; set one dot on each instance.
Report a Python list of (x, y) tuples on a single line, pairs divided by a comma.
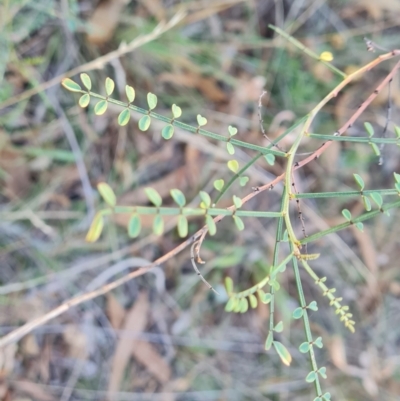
[(313, 195), (361, 218), (395, 141)]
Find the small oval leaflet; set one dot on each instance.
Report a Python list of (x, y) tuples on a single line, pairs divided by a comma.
[(318, 342), (279, 327), (86, 81), (243, 181), (110, 85), (237, 202), (107, 194), (95, 228), (178, 197), (367, 203), (134, 226), (167, 132), (228, 285), (369, 128), (182, 226), (232, 130), (212, 227), (219, 184), (233, 165), (326, 56), (151, 100), (377, 198), (100, 107), (268, 341), (130, 93), (84, 100), (144, 123), (313, 306), (360, 226), (231, 304), (205, 198), (230, 148), (124, 117), (311, 377), (270, 158), (346, 213), (71, 85), (176, 111), (322, 372), (244, 305), (201, 120), (239, 223), (283, 353), (298, 313), (158, 225), (253, 301), (304, 347), (375, 148), (153, 196), (359, 181)]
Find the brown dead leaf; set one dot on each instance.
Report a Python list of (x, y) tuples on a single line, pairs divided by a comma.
[(77, 342), (148, 356), (104, 21), (154, 7), (136, 320), (34, 390), (208, 86), (115, 311)]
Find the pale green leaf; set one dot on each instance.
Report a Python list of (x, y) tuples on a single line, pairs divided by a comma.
[(253, 301), (205, 198), (124, 117), (231, 304), (377, 198), (110, 85), (230, 148), (369, 128), (311, 377), (304, 347), (367, 203), (232, 130), (144, 123), (130, 93), (237, 202), (176, 111), (244, 305), (71, 85), (167, 132), (201, 120), (95, 228), (107, 194), (360, 181), (178, 197), (158, 225), (283, 353), (86, 81), (134, 226), (346, 213), (233, 165), (375, 148), (153, 196), (228, 285), (238, 222), (243, 181), (182, 226), (270, 158), (298, 313), (151, 100), (219, 184), (279, 327), (84, 100), (212, 227), (269, 340), (313, 306), (100, 107)]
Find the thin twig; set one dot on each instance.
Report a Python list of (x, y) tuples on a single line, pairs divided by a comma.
[(197, 270), (388, 118)]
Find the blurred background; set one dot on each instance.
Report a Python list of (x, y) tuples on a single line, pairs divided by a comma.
[(165, 336)]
